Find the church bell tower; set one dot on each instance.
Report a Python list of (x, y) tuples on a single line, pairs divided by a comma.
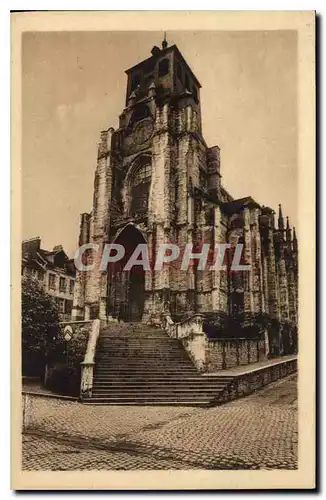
[(147, 171)]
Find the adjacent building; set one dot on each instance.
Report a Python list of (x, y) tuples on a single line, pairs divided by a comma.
[(53, 270)]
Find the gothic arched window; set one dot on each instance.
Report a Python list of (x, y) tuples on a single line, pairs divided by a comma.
[(140, 184)]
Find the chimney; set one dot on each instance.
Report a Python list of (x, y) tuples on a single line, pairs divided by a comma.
[(31, 246), (57, 248)]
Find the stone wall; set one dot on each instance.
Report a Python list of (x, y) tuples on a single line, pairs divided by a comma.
[(222, 354), (245, 384)]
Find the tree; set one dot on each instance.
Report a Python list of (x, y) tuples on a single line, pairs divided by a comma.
[(40, 327)]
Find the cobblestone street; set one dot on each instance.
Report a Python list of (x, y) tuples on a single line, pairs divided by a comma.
[(259, 431)]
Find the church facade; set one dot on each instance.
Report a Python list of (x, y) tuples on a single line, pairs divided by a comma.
[(158, 182)]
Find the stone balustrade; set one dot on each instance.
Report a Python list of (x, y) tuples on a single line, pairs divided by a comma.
[(211, 355), (192, 336), (87, 366)]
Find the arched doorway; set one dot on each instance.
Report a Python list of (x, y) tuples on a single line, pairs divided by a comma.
[(127, 288)]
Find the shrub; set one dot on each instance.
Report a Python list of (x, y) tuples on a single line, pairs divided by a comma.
[(220, 325), (63, 379), (40, 327)]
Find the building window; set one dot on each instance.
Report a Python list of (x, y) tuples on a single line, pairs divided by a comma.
[(40, 275), (71, 286), (140, 188), (163, 67), (149, 66), (142, 174), (202, 179), (68, 307), (61, 304), (62, 285), (52, 281), (237, 302), (179, 71), (209, 216)]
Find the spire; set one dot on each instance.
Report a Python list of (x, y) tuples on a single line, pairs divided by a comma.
[(295, 241), (288, 230), (280, 218), (164, 43)]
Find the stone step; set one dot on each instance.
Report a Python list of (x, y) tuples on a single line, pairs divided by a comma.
[(145, 372), (150, 367), (139, 339), (157, 362), (134, 338), (145, 347), (122, 359), (134, 334), (150, 355), (143, 356), (157, 393), (113, 361), (136, 352), (164, 379), (158, 385), (153, 398), (131, 402), (138, 365), (140, 345), (144, 377), (146, 350)]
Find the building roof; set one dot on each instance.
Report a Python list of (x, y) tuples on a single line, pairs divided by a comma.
[(171, 48), (238, 205), (35, 256)]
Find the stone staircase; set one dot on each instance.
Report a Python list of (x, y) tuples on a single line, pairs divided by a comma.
[(141, 365)]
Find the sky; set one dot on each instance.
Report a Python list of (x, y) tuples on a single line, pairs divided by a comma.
[(73, 86)]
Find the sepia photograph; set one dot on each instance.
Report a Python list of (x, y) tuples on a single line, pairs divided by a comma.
[(163, 246)]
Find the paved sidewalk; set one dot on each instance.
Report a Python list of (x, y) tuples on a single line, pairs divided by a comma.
[(35, 388), (242, 370), (259, 431)]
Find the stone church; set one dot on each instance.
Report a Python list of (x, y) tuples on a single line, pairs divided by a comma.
[(157, 181)]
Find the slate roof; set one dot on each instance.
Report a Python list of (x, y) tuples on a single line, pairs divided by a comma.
[(238, 205)]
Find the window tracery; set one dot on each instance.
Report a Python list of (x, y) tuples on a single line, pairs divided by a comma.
[(140, 184)]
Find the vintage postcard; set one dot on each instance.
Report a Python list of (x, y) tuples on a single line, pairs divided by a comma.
[(163, 234)]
